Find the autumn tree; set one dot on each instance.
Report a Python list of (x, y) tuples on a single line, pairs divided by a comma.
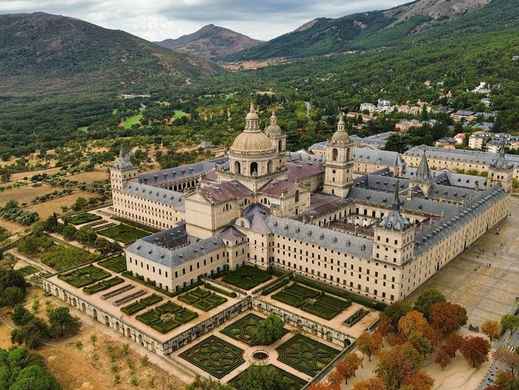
[(394, 312), (347, 367), (427, 299), (418, 381), (369, 343), (397, 364), (508, 358), (447, 317), (322, 386), (492, 329), (370, 384), (448, 350), (475, 350), (415, 328)]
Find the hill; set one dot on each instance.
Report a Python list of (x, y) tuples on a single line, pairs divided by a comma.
[(211, 42), (364, 30), (42, 53)]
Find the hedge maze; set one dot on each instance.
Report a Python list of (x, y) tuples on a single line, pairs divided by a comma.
[(82, 277), (202, 299), (247, 277), (167, 317)]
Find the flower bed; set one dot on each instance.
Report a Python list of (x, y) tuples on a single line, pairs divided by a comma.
[(103, 285), (82, 277), (167, 317), (141, 304)]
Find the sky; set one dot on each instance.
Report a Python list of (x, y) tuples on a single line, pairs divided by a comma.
[(160, 19)]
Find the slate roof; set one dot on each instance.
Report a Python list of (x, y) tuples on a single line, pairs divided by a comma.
[(156, 194)]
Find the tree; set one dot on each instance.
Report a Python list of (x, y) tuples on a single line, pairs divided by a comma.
[(369, 344), (269, 330), (396, 311), (506, 381), (418, 381), (426, 300), (62, 323), (370, 384), (447, 317), (348, 366), (12, 287), (412, 322), (492, 329), (397, 364), (51, 223), (448, 350), (475, 350), (86, 235), (508, 358), (207, 384), (80, 204), (509, 322), (32, 335), (21, 316), (69, 232)]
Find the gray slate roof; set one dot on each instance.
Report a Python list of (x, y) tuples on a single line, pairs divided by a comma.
[(157, 194)]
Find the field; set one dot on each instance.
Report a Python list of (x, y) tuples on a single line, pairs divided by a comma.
[(25, 194), (115, 264), (29, 174), (131, 121), (46, 209), (167, 317), (214, 356), (124, 233), (202, 299), (306, 355), (90, 177), (291, 382), (244, 329), (247, 277), (312, 301), (84, 276)]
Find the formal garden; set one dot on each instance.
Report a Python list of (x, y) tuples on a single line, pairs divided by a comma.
[(202, 299), (115, 264), (124, 233), (306, 355), (103, 285), (167, 317), (82, 218), (215, 356), (142, 304), (247, 277), (82, 277), (246, 330), (312, 301), (290, 382)]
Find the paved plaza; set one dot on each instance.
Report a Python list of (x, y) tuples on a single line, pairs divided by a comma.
[(484, 279)]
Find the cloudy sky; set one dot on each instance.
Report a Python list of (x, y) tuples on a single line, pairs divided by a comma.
[(160, 19)]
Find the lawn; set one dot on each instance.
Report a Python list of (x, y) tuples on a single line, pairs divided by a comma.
[(82, 218), (202, 299), (129, 122), (124, 233), (312, 301), (214, 356), (167, 317), (116, 264), (141, 304), (244, 329), (247, 277), (292, 382), (82, 277), (103, 285), (306, 355)]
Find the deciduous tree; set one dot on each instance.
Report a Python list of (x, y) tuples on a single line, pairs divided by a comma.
[(397, 364), (447, 317), (475, 350), (269, 330), (418, 381), (508, 358), (492, 329), (427, 299), (62, 323), (348, 366), (369, 343), (510, 322), (370, 384)]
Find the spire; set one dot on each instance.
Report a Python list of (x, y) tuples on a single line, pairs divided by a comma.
[(394, 220), (252, 109), (252, 119), (396, 200), (341, 126), (273, 119), (423, 173)]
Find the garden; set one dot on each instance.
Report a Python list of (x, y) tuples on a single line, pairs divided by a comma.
[(291, 382), (124, 233), (306, 355), (167, 317), (247, 277), (103, 285), (214, 356), (142, 304), (312, 301), (84, 276), (246, 329), (116, 264), (82, 218), (202, 299)]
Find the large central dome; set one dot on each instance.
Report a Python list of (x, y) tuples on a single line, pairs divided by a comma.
[(252, 140)]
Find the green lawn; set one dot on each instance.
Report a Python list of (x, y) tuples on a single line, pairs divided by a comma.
[(82, 277), (291, 382), (124, 233), (180, 114), (215, 356), (244, 329), (129, 122), (116, 264), (247, 277), (82, 218), (202, 299), (167, 317), (306, 355)]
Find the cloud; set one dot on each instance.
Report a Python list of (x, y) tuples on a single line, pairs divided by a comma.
[(160, 19)]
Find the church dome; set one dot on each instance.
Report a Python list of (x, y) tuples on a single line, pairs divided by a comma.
[(252, 142)]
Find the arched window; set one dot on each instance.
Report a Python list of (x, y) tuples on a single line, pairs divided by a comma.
[(280, 146), (237, 168), (254, 169), (297, 196), (335, 154)]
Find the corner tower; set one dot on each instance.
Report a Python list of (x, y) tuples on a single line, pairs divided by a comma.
[(122, 171), (338, 177), (501, 172)]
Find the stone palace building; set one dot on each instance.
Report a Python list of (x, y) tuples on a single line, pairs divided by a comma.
[(380, 230)]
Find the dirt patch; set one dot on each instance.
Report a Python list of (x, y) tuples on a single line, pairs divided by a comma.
[(46, 209), (90, 177), (26, 194), (30, 174)]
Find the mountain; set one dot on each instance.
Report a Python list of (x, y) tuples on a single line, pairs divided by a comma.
[(364, 30), (211, 42), (50, 54)]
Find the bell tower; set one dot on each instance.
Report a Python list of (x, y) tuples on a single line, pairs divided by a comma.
[(122, 171), (338, 177)]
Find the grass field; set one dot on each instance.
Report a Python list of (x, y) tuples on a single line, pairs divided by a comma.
[(25, 194), (115, 264), (124, 233), (247, 277), (90, 177), (129, 122)]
